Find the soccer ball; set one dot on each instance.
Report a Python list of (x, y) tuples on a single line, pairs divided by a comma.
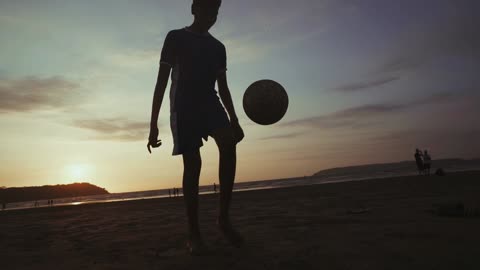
[(265, 102)]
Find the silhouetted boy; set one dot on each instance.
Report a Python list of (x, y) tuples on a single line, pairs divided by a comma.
[(198, 60)]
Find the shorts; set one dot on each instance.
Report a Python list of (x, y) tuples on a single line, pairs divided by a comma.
[(190, 125)]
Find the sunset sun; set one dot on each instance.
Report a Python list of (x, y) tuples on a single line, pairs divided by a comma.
[(78, 172)]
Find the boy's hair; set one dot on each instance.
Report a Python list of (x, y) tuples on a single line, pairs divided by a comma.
[(207, 3)]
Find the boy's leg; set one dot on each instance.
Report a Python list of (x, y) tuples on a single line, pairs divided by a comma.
[(192, 164), (228, 160)]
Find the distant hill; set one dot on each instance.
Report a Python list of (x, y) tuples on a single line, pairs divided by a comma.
[(24, 194), (397, 168)]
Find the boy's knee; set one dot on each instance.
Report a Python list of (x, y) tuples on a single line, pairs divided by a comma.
[(225, 141), (228, 146)]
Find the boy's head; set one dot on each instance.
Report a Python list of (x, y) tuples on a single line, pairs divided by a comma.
[(206, 11)]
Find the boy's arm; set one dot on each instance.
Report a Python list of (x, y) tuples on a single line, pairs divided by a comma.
[(226, 98), (161, 85)]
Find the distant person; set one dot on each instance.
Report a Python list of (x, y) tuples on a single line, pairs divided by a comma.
[(198, 61), (427, 162), (169, 193), (214, 188), (419, 161), (4, 206)]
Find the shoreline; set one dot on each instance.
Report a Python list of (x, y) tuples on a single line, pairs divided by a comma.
[(159, 197)]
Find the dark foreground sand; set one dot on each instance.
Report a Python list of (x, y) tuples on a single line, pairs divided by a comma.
[(292, 228)]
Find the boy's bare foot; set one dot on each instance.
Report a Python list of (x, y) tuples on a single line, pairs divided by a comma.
[(230, 233), (196, 246)]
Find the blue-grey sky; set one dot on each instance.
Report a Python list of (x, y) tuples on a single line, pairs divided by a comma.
[(368, 81)]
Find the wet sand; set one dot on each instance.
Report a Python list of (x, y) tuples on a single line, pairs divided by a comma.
[(309, 227)]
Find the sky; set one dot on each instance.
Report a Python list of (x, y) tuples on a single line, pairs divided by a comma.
[(368, 82)]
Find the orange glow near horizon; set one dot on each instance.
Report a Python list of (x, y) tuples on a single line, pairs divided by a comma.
[(77, 172)]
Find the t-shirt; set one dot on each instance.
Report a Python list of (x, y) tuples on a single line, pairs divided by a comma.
[(196, 61)]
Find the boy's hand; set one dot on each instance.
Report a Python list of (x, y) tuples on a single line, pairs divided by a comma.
[(237, 131), (153, 140)]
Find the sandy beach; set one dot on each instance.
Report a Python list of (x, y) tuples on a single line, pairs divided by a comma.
[(373, 224)]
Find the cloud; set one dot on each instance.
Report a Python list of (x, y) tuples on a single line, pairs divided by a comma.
[(365, 85), (115, 129), (133, 58), (366, 115), (429, 135), (348, 117), (32, 93), (283, 136), (436, 99), (254, 46), (274, 25), (3, 74)]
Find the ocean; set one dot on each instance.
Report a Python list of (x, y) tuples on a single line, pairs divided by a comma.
[(355, 173)]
